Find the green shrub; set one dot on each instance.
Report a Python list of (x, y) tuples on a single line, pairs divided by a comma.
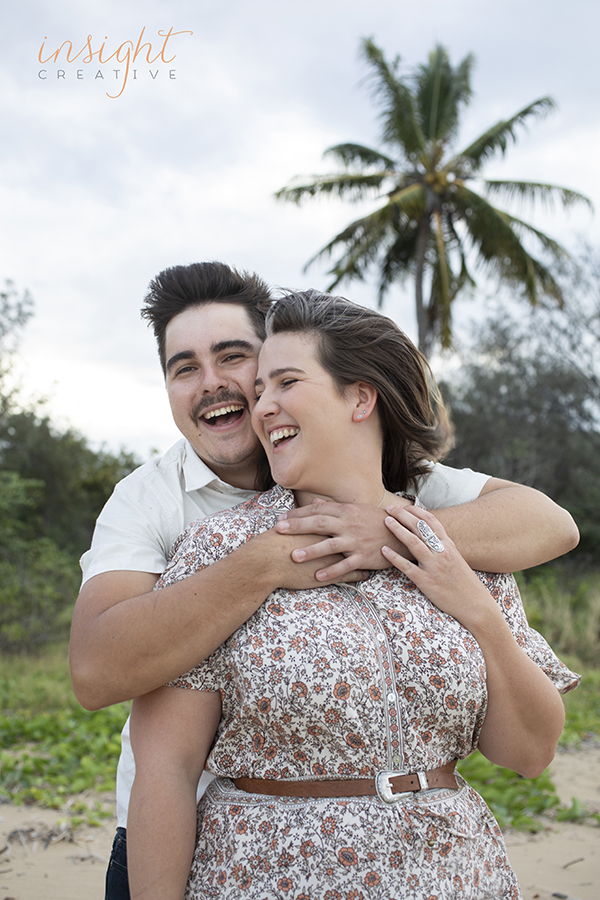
[(565, 609), (38, 586)]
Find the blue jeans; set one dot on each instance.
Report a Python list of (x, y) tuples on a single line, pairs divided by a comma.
[(117, 882)]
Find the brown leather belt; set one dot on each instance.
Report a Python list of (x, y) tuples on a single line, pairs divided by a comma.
[(386, 785)]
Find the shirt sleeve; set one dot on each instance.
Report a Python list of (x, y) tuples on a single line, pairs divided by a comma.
[(505, 592), (133, 532), (444, 486)]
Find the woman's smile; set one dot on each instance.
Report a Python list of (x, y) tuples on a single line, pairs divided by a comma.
[(279, 435), (307, 424)]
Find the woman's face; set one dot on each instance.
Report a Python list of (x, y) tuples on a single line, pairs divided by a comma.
[(300, 417)]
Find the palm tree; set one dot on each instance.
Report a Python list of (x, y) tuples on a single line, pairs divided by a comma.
[(433, 222)]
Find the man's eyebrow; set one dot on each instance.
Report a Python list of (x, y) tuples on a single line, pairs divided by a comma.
[(275, 373), (183, 354), (232, 345)]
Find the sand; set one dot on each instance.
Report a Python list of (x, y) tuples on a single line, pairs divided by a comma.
[(39, 863)]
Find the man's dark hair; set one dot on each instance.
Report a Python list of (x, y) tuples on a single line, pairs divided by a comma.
[(181, 287)]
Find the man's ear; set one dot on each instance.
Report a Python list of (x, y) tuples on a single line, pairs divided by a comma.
[(365, 397)]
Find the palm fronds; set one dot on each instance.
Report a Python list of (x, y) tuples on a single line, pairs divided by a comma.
[(431, 222), (497, 138)]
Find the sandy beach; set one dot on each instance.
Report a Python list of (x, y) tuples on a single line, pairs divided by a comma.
[(39, 862)]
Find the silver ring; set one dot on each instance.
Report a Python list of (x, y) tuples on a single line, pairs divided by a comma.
[(429, 536)]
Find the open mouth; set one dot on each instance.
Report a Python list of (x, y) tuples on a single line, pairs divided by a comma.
[(224, 415), (282, 435)]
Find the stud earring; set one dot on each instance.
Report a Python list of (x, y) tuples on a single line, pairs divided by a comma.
[(363, 413)]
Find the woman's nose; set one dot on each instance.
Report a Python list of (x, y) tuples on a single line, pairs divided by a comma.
[(264, 407)]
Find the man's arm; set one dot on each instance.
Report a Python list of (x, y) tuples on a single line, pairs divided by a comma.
[(127, 639), (507, 528)]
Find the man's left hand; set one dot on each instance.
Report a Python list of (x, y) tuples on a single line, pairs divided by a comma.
[(354, 530)]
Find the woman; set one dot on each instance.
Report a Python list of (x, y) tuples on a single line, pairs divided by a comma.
[(339, 712)]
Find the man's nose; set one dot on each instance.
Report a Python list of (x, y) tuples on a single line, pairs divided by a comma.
[(213, 380)]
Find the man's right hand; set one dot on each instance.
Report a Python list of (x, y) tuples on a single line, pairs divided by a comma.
[(298, 576)]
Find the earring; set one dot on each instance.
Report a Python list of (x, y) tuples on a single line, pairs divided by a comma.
[(360, 415)]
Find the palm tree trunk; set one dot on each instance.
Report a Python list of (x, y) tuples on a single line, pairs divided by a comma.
[(423, 324)]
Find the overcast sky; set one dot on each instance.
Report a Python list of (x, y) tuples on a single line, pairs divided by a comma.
[(99, 193)]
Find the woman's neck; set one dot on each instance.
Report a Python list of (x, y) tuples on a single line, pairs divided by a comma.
[(373, 495)]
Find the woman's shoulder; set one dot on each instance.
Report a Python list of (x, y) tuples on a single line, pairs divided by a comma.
[(261, 507), (213, 537)]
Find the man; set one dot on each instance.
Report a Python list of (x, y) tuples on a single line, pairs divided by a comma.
[(128, 640)]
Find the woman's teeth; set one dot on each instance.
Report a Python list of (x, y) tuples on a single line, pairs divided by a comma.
[(283, 433)]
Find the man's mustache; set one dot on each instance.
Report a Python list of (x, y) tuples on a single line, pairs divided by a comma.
[(223, 397)]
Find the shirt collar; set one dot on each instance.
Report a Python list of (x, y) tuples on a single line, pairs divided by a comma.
[(197, 474)]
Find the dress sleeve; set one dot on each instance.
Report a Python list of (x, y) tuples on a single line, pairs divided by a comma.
[(209, 675), (203, 543), (505, 592), (200, 545)]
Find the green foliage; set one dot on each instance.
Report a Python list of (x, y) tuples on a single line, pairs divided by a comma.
[(582, 708), (565, 607), (526, 406), (73, 481), (431, 220), (51, 748), (52, 488), (514, 800), (36, 683), (52, 755), (38, 580), (37, 592)]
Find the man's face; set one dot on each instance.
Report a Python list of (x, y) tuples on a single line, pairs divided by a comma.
[(211, 354)]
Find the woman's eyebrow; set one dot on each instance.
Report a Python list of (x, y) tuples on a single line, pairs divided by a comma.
[(275, 373)]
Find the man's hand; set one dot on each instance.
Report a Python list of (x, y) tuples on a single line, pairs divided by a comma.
[(319, 565), (507, 528), (353, 532)]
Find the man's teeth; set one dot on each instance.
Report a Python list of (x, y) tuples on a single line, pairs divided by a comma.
[(283, 433), (222, 411)]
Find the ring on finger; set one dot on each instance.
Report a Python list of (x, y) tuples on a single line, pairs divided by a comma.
[(429, 536)]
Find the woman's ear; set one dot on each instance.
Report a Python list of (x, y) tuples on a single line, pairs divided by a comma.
[(365, 396)]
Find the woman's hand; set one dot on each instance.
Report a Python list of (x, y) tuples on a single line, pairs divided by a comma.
[(443, 575)]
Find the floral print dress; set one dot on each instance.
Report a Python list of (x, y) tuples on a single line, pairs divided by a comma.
[(345, 682)]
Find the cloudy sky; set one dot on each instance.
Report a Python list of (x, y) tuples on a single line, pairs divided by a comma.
[(98, 193)]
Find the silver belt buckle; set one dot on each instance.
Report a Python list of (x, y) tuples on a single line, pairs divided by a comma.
[(383, 787)]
